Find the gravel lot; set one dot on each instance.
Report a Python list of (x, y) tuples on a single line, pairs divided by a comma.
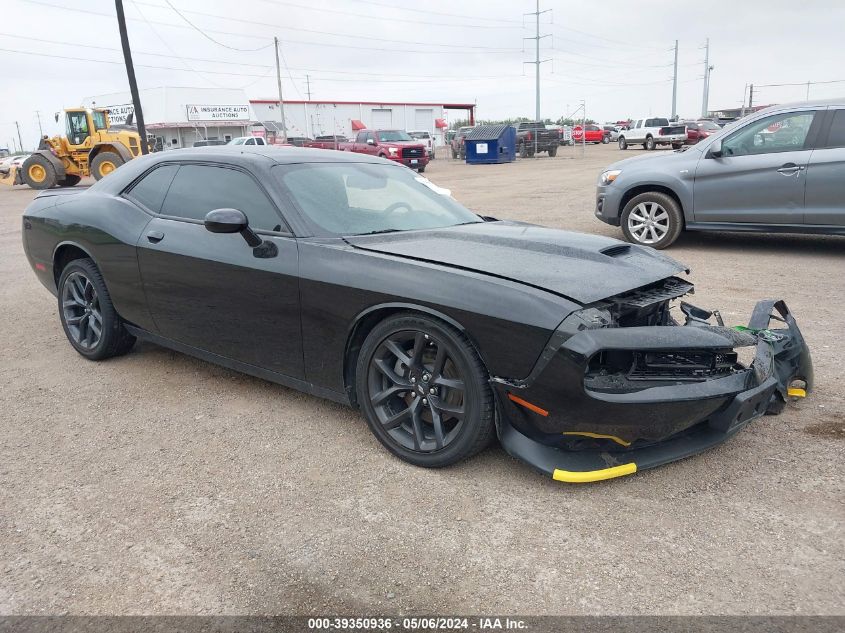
[(155, 483)]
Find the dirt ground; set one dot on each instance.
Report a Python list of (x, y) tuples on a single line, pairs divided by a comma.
[(155, 483)]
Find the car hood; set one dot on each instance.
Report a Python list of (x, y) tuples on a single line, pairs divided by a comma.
[(580, 267), (658, 160)]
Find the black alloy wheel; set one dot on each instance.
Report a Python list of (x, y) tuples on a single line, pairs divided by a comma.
[(81, 311), (88, 317), (424, 392)]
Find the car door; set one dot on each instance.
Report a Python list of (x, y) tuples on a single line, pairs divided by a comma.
[(824, 200), (761, 173), (212, 291)]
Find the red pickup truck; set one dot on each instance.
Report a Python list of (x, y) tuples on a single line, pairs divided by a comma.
[(393, 144)]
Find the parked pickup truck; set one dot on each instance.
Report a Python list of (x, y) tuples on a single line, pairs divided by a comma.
[(532, 136), (457, 143), (393, 144), (651, 132), (327, 142)]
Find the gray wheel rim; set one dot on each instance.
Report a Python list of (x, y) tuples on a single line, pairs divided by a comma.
[(416, 391), (648, 222), (81, 311)]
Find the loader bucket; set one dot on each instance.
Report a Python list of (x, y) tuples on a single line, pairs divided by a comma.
[(11, 176)]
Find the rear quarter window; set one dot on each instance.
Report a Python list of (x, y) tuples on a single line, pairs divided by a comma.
[(150, 191)]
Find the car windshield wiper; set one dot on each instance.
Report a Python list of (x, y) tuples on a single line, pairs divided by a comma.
[(380, 231)]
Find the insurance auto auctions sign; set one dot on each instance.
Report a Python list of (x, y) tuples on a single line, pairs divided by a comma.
[(118, 113), (218, 112)]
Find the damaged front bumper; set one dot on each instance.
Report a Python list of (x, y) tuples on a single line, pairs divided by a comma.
[(607, 401)]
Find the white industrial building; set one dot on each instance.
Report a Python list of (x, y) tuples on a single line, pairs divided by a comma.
[(178, 117), (323, 118)]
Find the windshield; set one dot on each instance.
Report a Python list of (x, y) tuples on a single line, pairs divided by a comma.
[(99, 120), (237, 141), (708, 125), (361, 198), (387, 136), (418, 135)]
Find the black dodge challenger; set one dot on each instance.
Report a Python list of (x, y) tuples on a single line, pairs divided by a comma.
[(356, 279)]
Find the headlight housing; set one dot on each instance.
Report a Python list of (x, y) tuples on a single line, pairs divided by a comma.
[(609, 176), (393, 150)]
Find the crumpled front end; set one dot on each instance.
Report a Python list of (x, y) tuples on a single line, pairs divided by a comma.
[(622, 386)]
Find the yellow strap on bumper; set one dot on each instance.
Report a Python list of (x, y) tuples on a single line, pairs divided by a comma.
[(795, 392), (575, 477)]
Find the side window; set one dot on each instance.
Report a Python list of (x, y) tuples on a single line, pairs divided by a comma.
[(149, 192), (639, 124), (249, 141), (198, 189), (836, 136), (371, 136), (361, 138), (777, 133)]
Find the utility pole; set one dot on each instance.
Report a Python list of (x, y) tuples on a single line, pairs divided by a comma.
[(308, 86), (130, 74), (20, 141), (675, 85), (40, 131), (808, 91), (537, 61), (750, 96), (281, 99), (707, 68)]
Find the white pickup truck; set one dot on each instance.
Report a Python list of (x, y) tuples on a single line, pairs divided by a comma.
[(651, 132)]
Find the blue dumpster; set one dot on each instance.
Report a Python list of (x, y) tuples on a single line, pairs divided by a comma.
[(491, 144)]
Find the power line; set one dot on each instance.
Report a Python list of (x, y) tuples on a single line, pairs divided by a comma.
[(428, 12), (322, 9), (211, 39), (329, 33), (290, 41), (262, 76)]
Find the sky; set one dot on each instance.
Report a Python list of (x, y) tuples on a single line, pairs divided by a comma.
[(616, 56)]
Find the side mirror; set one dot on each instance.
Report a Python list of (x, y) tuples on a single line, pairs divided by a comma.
[(371, 141), (231, 221), (715, 150)]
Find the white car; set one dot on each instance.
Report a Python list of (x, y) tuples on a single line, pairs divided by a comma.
[(247, 140), (651, 132), (426, 139)]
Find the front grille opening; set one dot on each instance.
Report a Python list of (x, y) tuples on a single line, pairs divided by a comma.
[(623, 370), (693, 365)]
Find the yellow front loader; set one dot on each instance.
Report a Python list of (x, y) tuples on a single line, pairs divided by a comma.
[(90, 147)]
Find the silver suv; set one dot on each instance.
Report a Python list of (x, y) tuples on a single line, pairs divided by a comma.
[(781, 169)]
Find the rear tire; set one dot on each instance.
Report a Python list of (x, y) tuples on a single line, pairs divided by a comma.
[(623, 144), (70, 181), (88, 317), (105, 163), (523, 151), (677, 145), (667, 220), (605, 140), (553, 151), (421, 169), (406, 397), (454, 154), (38, 172), (649, 143)]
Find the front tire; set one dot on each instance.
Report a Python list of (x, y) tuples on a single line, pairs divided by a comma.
[(105, 163), (424, 391), (88, 317), (623, 144), (420, 169), (652, 219), (553, 151), (605, 140), (38, 172), (523, 151)]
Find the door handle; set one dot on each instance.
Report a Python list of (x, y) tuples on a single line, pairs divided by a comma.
[(155, 236), (790, 169)]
